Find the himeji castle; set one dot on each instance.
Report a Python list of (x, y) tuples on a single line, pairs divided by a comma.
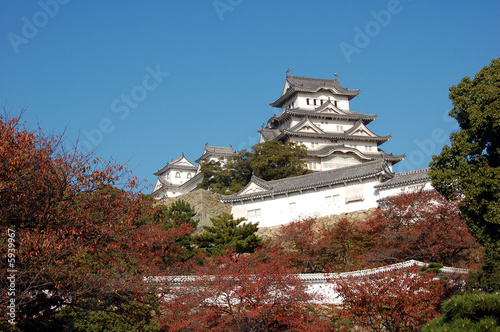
[(350, 170), (316, 113)]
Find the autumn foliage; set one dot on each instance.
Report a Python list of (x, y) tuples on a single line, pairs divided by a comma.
[(314, 248), (84, 236), (420, 225), (232, 292), (401, 300), (86, 240)]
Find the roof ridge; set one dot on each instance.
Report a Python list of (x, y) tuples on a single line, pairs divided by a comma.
[(313, 78), (415, 171), (315, 174)]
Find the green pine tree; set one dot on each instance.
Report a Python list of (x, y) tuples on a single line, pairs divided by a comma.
[(228, 233)]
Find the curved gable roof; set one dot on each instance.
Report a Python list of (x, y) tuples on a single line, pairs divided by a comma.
[(406, 178), (296, 84), (180, 163)]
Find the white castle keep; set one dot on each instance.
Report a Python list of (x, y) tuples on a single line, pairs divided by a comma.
[(350, 171)]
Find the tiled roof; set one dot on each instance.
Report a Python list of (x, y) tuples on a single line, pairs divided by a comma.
[(359, 125), (315, 180), (219, 150), (216, 151), (306, 122), (309, 84), (366, 118), (269, 134), (194, 179), (379, 139), (175, 164), (406, 178), (325, 151), (386, 156), (322, 277), (314, 84)]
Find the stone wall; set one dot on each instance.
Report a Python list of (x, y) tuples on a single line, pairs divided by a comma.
[(206, 204)]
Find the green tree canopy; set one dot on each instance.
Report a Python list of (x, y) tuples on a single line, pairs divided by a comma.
[(274, 160), (469, 169), (270, 160), (176, 213), (228, 233)]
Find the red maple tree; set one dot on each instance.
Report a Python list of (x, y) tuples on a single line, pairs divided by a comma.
[(402, 300), (314, 248), (84, 235), (421, 225), (251, 292)]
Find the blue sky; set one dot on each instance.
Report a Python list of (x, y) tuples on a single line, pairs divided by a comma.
[(144, 82)]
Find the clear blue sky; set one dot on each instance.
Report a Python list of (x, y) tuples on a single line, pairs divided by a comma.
[(150, 80)]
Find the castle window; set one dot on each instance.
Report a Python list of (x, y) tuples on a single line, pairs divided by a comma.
[(178, 175), (321, 101), (332, 199), (307, 101), (335, 103), (253, 213), (189, 176), (340, 128), (314, 102), (354, 193)]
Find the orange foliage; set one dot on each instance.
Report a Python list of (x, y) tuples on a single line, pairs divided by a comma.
[(82, 232), (314, 248), (422, 226), (400, 300), (242, 293)]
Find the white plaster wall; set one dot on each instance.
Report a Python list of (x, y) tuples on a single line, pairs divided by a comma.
[(330, 126), (292, 103), (339, 161), (361, 145), (309, 203), (301, 101), (183, 176), (342, 102), (173, 193), (157, 184)]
